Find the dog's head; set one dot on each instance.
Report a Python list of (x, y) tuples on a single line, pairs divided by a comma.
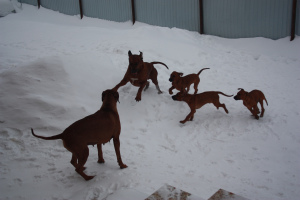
[(135, 62), (174, 76), (240, 95), (110, 93), (179, 96)]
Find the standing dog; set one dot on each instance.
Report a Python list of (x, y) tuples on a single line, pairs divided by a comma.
[(181, 83), (196, 101), (250, 100), (138, 73), (98, 128)]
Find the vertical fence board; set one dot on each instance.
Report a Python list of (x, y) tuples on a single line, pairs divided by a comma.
[(69, 7), (169, 13), (114, 10), (31, 2), (247, 18), (298, 19), (224, 18)]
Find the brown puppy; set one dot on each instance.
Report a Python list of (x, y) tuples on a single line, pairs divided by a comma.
[(196, 101), (250, 100), (138, 73), (98, 128), (181, 83)]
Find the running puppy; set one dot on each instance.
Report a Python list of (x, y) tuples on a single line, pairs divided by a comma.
[(196, 101), (250, 100), (183, 83)]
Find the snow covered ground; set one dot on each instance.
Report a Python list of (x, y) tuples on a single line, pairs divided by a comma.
[(54, 67)]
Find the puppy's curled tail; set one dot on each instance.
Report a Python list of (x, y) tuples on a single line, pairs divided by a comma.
[(55, 137), (225, 94), (201, 71), (160, 63)]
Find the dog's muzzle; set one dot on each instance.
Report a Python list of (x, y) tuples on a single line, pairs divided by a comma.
[(237, 98), (170, 79), (174, 97)]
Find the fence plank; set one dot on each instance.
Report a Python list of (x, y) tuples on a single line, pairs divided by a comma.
[(293, 26), (133, 11)]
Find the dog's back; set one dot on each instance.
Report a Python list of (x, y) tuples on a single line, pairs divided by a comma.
[(258, 96)]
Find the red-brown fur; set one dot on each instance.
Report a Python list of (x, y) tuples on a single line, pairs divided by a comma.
[(250, 100), (196, 101), (183, 83), (98, 128), (138, 73)]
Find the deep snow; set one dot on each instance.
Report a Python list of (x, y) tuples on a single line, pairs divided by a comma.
[(54, 67)]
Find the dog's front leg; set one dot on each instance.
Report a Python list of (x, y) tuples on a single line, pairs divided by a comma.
[(123, 82), (100, 154), (139, 93), (190, 116), (118, 154), (170, 90), (253, 110)]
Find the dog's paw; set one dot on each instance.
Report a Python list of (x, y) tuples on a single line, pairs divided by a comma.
[(123, 166), (182, 122), (138, 98), (101, 161), (87, 178)]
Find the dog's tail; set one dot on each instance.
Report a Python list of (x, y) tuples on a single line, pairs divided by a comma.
[(266, 100), (201, 71), (55, 137), (160, 63), (225, 94)]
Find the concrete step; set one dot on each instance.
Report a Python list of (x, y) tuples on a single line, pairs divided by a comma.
[(168, 192)]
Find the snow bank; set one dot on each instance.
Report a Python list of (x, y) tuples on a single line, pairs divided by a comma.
[(6, 7)]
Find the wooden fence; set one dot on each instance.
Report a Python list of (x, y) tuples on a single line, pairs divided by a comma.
[(225, 18)]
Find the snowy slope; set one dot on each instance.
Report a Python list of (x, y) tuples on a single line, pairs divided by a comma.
[(54, 67)]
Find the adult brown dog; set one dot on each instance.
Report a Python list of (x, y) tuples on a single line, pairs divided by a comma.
[(138, 73), (98, 128), (196, 101), (181, 83), (250, 100)]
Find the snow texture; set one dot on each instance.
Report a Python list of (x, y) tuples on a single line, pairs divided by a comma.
[(54, 67)]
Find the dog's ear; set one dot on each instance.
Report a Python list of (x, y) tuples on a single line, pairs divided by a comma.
[(180, 74), (129, 53), (116, 96), (141, 55), (240, 89), (103, 94)]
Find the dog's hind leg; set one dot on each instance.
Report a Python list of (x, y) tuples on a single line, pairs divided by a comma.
[(147, 85), (153, 77), (196, 86), (74, 161), (262, 107), (118, 154), (218, 105), (82, 158), (100, 153)]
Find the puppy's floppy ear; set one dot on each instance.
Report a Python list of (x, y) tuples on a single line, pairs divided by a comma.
[(240, 89), (129, 53), (180, 74), (141, 55)]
